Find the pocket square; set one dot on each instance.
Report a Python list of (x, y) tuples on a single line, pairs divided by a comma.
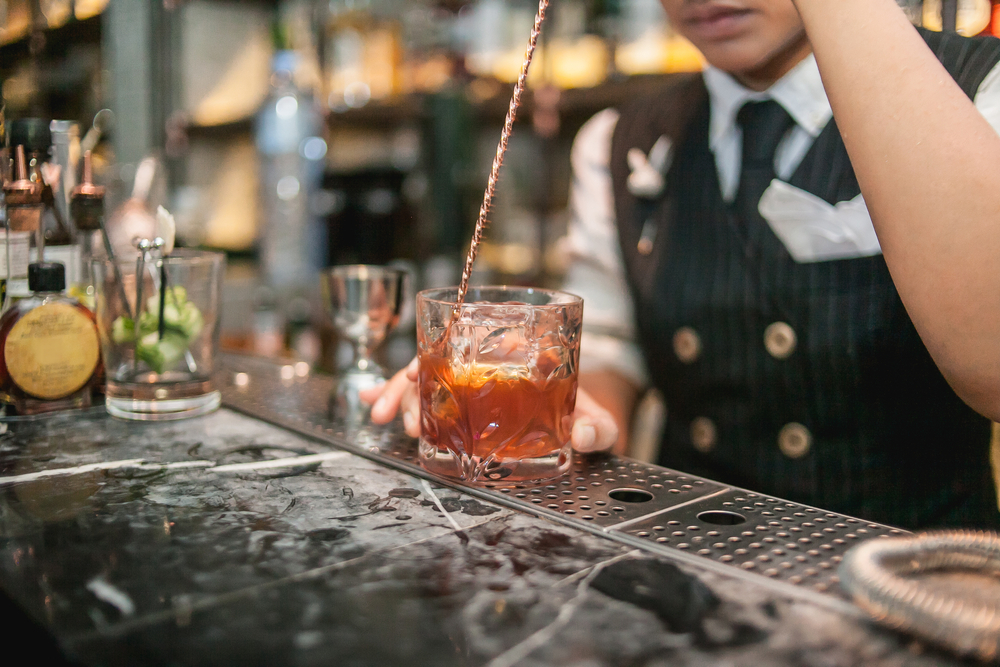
[(646, 173), (814, 231)]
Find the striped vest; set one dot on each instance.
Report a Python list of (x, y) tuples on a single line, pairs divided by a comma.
[(855, 417)]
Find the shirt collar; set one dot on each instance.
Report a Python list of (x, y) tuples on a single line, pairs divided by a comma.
[(800, 92)]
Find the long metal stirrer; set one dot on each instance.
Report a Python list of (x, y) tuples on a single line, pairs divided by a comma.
[(508, 128)]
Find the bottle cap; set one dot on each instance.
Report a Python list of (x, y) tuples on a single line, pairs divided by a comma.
[(86, 188), (46, 277), (32, 133), (86, 203), (22, 192)]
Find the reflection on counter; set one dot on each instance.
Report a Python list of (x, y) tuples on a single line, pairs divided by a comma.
[(199, 542)]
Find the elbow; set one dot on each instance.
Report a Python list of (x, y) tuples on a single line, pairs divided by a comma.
[(971, 367), (980, 391)]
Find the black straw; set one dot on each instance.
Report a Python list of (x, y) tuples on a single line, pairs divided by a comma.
[(163, 294)]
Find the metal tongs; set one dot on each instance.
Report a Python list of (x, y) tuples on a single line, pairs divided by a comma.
[(154, 253)]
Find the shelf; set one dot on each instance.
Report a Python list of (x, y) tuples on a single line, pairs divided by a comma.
[(220, 131), (58, 41), (578, 103), (574, 105)]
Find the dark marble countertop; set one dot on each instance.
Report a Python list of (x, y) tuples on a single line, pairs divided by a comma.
[(185, 543)]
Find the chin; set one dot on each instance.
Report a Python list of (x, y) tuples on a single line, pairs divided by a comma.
[(755, 63), (735, 57)]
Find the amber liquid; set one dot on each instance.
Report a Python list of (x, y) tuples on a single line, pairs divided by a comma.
[(494, 421)]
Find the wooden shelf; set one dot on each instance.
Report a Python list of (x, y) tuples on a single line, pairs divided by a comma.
[(577, 104), (573, 104), (220, 131), (58, 41)]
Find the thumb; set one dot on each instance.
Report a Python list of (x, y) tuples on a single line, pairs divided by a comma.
[(594, 429)]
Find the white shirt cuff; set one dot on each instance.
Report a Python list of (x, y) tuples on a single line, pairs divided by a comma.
[(599, 352)]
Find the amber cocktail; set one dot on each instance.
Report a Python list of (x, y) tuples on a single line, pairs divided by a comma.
[(497, 382)]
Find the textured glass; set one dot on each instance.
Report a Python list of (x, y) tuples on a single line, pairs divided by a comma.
[(498, 382)]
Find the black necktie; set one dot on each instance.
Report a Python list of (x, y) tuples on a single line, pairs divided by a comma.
[(764, 125)]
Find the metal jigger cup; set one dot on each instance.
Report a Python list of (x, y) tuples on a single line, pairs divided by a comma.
[(364, 303)]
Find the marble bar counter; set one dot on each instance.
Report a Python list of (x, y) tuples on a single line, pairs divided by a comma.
[(228, 540)]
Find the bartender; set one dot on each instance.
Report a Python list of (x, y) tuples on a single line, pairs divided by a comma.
[(799, 249)]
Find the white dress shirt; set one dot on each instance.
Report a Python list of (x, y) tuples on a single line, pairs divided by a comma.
[(597, 271)]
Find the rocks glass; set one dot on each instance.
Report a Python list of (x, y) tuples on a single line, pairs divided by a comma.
[(497, 382), (159, 328)]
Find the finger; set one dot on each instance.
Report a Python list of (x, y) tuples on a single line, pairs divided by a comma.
[(369, 395), (583, 435), (387, 405), (410, 405), (594, 434), (413, 369), (594, 429)]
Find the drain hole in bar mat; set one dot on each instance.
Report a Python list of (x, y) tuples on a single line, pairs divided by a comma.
[(721, 518), (630, 495)]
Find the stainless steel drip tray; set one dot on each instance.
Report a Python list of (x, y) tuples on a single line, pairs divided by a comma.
[(655, 509), (756, 533), (612, 492)]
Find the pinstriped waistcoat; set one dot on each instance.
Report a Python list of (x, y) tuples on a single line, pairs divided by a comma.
[(891, 441)]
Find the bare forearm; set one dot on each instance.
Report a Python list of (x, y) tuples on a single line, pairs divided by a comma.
[(616, 395), (928, 163)]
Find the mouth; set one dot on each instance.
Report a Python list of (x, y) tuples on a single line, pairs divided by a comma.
[(714, 20)]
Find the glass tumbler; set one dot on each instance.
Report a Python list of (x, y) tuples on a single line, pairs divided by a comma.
[(159, 332), (498, 382)]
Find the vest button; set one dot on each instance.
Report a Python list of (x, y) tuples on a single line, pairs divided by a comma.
[(687, 345), (794, 440), (703, 434), (780, 340)]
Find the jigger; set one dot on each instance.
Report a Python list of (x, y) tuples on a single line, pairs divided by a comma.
[(365, 303)]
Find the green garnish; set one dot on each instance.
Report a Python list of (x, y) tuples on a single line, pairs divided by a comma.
[(182, 322)]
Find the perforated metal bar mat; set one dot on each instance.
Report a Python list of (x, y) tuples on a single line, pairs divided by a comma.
[(789, 545), (778, 539)]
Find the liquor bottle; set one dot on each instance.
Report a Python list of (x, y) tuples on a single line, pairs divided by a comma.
[(56, 239), (363, 53), (13, 245), (49, 348), (87, 212), (23, 208), (292, 239), (14, 259), (62, 243)]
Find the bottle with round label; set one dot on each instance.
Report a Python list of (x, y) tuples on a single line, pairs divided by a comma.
[(49, 347)]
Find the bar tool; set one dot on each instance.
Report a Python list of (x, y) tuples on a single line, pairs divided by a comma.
[(364, 302), (888, 579)]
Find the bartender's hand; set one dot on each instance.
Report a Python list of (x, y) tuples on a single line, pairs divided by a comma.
[(594, 429), (399, 393)]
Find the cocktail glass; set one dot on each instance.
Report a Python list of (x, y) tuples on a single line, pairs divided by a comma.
[(159, 326), (498, 382), (365, 303)]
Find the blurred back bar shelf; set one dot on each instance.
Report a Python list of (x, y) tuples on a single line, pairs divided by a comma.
[(16, 45), (411, 96), (50, 57), (295, 134), (572, 104), (62, 20)]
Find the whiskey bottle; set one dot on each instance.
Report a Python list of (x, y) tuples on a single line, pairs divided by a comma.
[(49, 347)]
